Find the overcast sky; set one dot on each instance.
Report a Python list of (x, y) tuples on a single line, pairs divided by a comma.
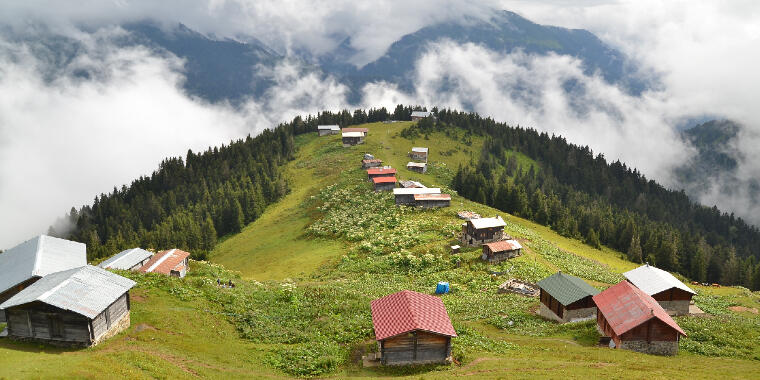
[(64, 141)]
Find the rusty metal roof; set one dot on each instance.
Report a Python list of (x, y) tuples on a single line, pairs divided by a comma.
[(384, 179), (165, 261), (38, 257), (432, 197), (625, 307), (376, 171), (87, 290), (654, 280), (504, 245), (407, 311), (126, 259)]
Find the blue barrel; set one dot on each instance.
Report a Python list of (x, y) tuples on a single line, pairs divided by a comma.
[(442, 288)]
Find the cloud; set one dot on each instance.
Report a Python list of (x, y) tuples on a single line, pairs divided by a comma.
[(66, 136), (636, 130)]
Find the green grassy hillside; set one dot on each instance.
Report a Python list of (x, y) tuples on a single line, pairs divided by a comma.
[(307, 269)]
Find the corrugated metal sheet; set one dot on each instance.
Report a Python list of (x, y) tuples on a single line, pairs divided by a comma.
[(126, 259), (407, 311), (38, 257), (417, 149), (416, 190), (362, 130), (625, 307), (421, 114), (504, 245), (416, 164), (432, 197), (496, 221), (87, 290), (384, 180), (329, 127), (376, 171), (353, 134), (411, 184), (566, 288), (654, 280)]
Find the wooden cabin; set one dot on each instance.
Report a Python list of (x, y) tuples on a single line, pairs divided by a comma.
[(633, 320), (24, 264), (478, 231), (432, 200), (417, 115), (412, 328), (566, 298), (352, 138), (173, 262), (673, 295), (372, 163), (419, 154), (128, 259), (501, 250), (384, 183), (405, 196), (76, 307), (363, 131), (419, 167), (380, 172), (325, 130)]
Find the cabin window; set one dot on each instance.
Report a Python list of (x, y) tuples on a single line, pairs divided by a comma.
[(56, 326)]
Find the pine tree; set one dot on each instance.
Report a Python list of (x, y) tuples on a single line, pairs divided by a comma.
[(634, 249), (208, 234), (592, 238)]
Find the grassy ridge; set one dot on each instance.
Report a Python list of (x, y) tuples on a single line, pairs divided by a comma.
[(315, 260)]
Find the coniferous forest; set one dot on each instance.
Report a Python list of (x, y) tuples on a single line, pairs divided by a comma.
[(190, 202)]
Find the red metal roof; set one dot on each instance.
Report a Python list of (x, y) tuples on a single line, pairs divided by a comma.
[(432, 197), (165, 261), (363, 130), (384, 179), (503, 245), (376, 171), (372, 161), (625, 307), (406, 311)]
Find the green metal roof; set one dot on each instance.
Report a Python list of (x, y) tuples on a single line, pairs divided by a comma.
[(566, 288)]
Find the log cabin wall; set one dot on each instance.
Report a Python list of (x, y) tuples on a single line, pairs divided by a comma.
[(44, 322), (415, 348), (6, 295)]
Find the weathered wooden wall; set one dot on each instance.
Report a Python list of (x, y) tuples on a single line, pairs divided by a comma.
[(44, 322), (415, 348)]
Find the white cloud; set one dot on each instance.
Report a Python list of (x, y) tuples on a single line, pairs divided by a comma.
[(66, 140)]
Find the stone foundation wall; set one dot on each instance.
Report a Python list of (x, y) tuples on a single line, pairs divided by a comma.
[(120, 326), (547, 313), (578, 315), (675, 307), (654, 347)]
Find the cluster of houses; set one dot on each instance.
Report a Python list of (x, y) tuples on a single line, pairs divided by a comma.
[(349, 136), (49, 293)]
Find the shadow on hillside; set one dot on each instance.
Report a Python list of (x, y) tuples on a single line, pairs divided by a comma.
[(35, 347)]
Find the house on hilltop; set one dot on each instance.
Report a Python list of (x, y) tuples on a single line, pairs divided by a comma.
[(411, 184), (635, 321), (432, 200), (501, 250), (478, 231), (173, 262), (566, 298), (363, 131), (128, 259), (24, 264), (384, 183), (673, 295), (352, 138), (419, 154), (412, 328), (417, 115), (419, 167), (371, 163), (80, 306), (405, 196), (324, 130), (380, 172)]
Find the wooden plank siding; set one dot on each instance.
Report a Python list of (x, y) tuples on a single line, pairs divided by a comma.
[(45, 322), (673, 294), (415, 348)]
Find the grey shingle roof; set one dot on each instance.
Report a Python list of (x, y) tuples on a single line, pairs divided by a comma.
[(87, 290), (38, 257), (566, 288), (654, 280), (126, 259)]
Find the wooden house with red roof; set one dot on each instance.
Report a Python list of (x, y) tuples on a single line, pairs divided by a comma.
[(635, 321), (173, 262), (499, 251), (412, 328), (381, 172), (384, 183)]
